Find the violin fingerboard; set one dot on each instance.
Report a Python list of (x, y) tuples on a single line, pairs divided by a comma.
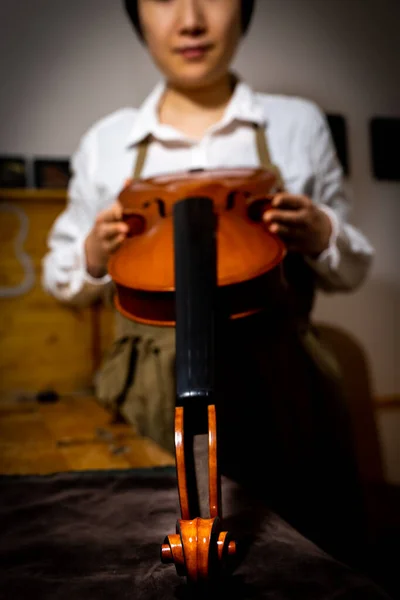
[(195, 257)]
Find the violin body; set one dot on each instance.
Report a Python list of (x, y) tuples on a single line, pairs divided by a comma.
[(248, 256)]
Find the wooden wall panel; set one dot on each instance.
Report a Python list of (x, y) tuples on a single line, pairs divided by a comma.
[(43, 344)]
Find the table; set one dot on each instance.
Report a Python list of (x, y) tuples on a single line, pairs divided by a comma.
[(72, 434)]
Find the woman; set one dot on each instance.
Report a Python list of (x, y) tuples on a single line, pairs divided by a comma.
[(201, 116)]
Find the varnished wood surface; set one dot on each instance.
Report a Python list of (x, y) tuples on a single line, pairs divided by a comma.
[(23, 194), (44, 344), (73, 434), (246, 251)]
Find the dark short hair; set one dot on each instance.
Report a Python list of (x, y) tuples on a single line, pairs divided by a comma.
[(131, 7)]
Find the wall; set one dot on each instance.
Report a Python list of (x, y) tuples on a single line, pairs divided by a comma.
[(65, 64)]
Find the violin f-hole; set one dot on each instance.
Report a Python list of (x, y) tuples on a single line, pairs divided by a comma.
[(161, 207), (230, 200)]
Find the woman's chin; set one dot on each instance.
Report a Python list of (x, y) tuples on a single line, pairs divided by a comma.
[(194, 78)]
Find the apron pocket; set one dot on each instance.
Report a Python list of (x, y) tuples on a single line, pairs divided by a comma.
[(117, 372), (150, 400)]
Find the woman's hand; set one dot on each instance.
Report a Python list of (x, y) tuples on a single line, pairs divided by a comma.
[(303, 226), (108, 233)]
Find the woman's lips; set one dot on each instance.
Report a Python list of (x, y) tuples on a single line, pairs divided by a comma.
[(194, 52)]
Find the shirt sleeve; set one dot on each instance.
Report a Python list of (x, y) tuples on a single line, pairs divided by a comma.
[(64, 273), (345, 264)]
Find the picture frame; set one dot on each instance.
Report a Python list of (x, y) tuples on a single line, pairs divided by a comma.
[(338, 128), (13, 172), (384, 134), (51, 173)]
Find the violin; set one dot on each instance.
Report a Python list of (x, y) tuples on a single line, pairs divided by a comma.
[(247, 254), (196, 243)]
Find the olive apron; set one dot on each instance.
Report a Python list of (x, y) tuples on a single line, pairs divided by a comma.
[(284, 430)]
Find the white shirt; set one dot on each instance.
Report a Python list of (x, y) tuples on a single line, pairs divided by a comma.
[(299, 142)]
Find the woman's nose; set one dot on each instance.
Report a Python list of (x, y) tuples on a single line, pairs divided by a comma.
[(191, 17)]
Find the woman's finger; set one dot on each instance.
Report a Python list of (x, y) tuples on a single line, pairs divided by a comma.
[(286, 217), (110, 214), (287, 233), (108, 231), (290, 201), (115, 243)]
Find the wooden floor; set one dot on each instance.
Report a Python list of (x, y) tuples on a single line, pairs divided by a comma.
[(72, 434)]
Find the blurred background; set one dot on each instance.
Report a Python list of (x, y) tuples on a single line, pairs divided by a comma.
[(66, 64), (63, 65)]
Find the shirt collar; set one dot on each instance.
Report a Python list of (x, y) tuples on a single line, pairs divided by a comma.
[(244, 106)]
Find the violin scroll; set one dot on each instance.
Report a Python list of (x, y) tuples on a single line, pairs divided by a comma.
[(199, 549)]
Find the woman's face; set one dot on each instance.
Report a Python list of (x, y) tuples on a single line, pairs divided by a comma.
[(191, 41)]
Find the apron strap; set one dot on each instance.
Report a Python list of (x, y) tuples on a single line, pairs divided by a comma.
[(262, 147), (264, 155), (143, 147)]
